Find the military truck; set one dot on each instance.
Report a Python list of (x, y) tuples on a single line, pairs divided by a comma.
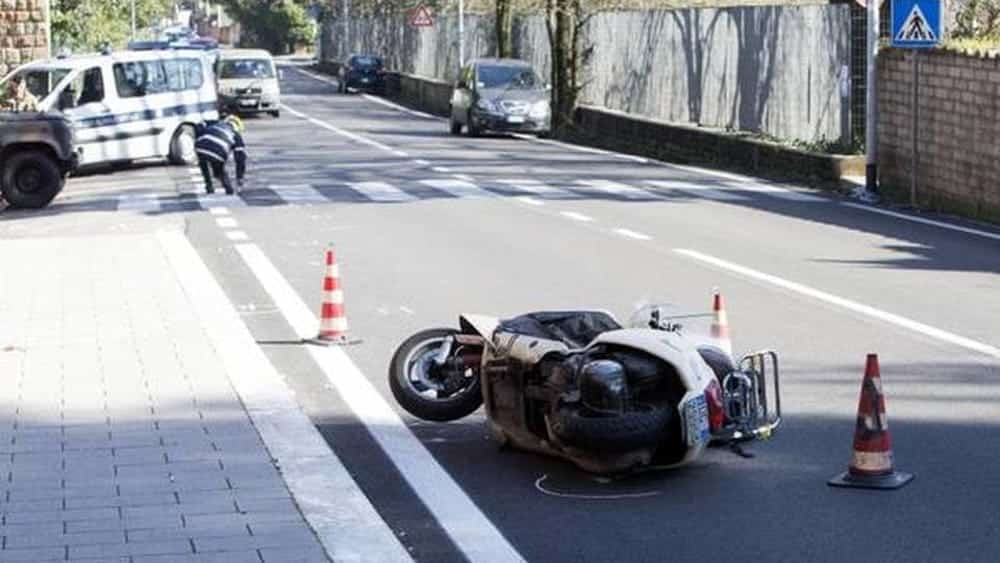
[(36, 155)]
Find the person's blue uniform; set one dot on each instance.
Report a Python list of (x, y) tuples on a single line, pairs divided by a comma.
[(215, 141)]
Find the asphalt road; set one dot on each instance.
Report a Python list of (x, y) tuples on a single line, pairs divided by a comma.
[(428, 226)]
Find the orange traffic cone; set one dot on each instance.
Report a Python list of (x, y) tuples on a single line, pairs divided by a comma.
[(871, 466), (720, 324), (333, 320)]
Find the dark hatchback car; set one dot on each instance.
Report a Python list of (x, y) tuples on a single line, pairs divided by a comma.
[(500, 95), (364, 73)]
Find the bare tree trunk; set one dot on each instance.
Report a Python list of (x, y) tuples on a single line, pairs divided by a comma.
[(564, 64), (504, 24)]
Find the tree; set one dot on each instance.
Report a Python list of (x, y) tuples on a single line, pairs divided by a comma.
[(276, 25), (504, 23), (87, 25), (565, 22)]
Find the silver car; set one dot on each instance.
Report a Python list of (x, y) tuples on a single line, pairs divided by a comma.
[(500, 95)]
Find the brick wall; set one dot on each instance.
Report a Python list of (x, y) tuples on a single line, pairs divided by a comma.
[(23, 26), (959, 128)]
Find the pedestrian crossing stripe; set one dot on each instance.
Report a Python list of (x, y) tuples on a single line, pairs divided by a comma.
[(916, 28), (269, 195)]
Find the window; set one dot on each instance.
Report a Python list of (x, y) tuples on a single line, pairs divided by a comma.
[(361, 61), (142, 78), (512, 77), (40, 82), (91, 86), (246, 68)]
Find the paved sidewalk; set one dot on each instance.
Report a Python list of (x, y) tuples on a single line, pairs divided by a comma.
[(121, 435)]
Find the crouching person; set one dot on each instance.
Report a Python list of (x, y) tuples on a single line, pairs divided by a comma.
[(216, 140)]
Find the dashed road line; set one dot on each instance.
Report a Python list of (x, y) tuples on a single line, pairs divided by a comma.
[(226, 222), (576, 216), (218, 211), (237, 236), (421, 162), (854, 306), (441, 169), (530, 200), (470, 530), (632, 234)]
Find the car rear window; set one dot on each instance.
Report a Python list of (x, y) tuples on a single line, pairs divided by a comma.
[(366, 61)]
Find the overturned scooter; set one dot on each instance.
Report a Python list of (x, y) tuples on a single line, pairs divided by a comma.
[(580, 386)]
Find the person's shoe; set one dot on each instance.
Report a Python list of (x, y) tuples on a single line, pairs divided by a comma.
[(230, 192), (209, 191)]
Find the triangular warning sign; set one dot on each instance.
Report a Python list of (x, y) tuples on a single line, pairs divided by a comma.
[(916, 28), (421, 17)]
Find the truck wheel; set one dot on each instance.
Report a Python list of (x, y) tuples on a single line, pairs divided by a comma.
[(31, 179), (182, 146), (641, 428)]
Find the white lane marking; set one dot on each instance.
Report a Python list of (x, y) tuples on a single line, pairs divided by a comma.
[(381, 191), (402, 154), (702, 190), (536, 187), (237, 235), (338, 130), (139, 202), (579, 148), (407, 310), (576, 216), (218, 211), (398, 107), (458, 188), (922, 221), (213, 201), (465, 177), (632, 234), (226, 222), (298, 193), (441, 169), (420, 162), (773, 191), (461, 519), (345, 522), (618, 189), (856, 307), (530, 200)]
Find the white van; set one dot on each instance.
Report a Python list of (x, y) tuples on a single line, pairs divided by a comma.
[(248, 82), (128, 105)]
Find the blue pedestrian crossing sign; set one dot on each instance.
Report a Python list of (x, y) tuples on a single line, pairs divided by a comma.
[(916, 23)]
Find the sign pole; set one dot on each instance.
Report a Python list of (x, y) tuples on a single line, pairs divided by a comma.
[(915, 111), (871, 100), (461, 33)]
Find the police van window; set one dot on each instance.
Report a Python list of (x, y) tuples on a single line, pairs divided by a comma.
[(130, 79), (154, 77), (91, 86)]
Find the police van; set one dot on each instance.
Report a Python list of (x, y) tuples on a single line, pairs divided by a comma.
[(128, 105)]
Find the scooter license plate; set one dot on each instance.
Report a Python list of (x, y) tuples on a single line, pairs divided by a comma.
[(696, 420)]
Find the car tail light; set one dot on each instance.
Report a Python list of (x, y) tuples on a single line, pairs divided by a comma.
[(716, 409)]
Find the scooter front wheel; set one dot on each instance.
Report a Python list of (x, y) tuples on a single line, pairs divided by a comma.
[(429, 390)]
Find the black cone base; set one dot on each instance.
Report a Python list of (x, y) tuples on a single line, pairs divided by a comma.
[(893, 480)]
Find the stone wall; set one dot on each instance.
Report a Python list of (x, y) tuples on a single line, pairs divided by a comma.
[(771, 69), (957, 133), (23, 33)]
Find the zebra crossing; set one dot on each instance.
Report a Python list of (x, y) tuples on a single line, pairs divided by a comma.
[(186, 192)]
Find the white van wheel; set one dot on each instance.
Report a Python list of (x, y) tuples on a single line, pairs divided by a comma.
[(182, 146)]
